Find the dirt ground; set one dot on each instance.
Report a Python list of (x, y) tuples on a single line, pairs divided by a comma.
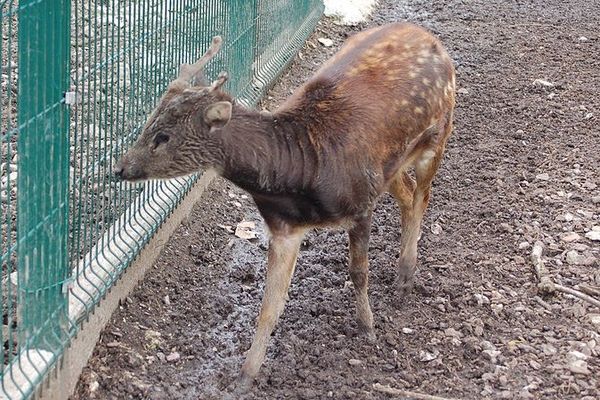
[(522, 166)]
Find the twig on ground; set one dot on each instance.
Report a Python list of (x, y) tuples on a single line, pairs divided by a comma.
[(589, 290), (543, 303), (578, 294), (546, 285), (409, 395)]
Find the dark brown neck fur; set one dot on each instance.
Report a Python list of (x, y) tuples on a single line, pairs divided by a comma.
[(267, 154)]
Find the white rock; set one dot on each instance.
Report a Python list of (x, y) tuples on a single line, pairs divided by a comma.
[(94, 385), (354, 362), (325, 42), (543, 82), (586, 214), (548, 349), (593, 235), (462, 91), (583, 39), (570, 237), (568, 217), (542, 177), (426, 356), (436, 229), (487, 345), (407, 331), (173, 357), (576, 355), (579, 367), (523, 245), (589, 185), (574, 258)]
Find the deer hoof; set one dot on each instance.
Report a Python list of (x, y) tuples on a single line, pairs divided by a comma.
[(366, 330), (368, 334), (404, 285), (243, 384)]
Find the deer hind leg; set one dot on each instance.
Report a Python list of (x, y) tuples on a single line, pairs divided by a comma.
[(403, 190), (359, 272), (413, 199), (281, 262)]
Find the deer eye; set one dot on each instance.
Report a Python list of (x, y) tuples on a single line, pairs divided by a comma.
[(160, 138)]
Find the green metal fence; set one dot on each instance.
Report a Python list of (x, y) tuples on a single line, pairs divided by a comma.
[(78, 79)]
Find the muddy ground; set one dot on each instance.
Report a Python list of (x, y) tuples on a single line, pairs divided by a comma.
[(522, 166)]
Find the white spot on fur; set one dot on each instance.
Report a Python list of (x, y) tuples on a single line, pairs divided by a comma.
[(424, 161)]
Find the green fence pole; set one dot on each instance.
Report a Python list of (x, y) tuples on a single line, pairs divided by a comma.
[(43, 180)]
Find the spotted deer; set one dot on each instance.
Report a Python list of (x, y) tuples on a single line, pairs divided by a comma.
[(379, 107)]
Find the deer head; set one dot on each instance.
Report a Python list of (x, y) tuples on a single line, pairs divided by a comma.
[(179, 137)]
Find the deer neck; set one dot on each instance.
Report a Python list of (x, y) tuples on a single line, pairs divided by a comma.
[(267, 153)]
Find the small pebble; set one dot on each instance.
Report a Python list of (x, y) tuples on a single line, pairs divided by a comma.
[(570, 237), (173, 357), (593, 235), (523, 245), (568, 217), (325, 42), (574, 258), (579, 367)]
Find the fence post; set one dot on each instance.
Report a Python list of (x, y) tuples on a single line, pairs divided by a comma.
[(43, 180)]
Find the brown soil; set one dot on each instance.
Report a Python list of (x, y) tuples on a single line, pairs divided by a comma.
[(522, 166)]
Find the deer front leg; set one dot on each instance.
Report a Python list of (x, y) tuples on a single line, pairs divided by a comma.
[(282, 254), (359, 272)]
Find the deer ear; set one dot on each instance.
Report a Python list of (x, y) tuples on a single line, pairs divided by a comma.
[(218, 114)]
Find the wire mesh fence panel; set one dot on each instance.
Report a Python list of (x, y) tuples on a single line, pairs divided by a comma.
[(78, 81)]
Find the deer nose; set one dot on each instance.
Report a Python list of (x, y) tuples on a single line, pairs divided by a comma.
[(118, 170)]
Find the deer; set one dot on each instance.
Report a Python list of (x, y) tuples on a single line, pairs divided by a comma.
[(377, 113)]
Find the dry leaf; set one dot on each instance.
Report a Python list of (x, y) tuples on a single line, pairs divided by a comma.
[(244, 230), (228, 228)]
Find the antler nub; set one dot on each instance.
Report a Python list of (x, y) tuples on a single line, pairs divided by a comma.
[(192, 72)]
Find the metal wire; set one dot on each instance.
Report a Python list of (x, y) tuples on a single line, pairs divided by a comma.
[(78, 79)]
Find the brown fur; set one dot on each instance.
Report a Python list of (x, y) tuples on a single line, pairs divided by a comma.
[(382, 104)]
